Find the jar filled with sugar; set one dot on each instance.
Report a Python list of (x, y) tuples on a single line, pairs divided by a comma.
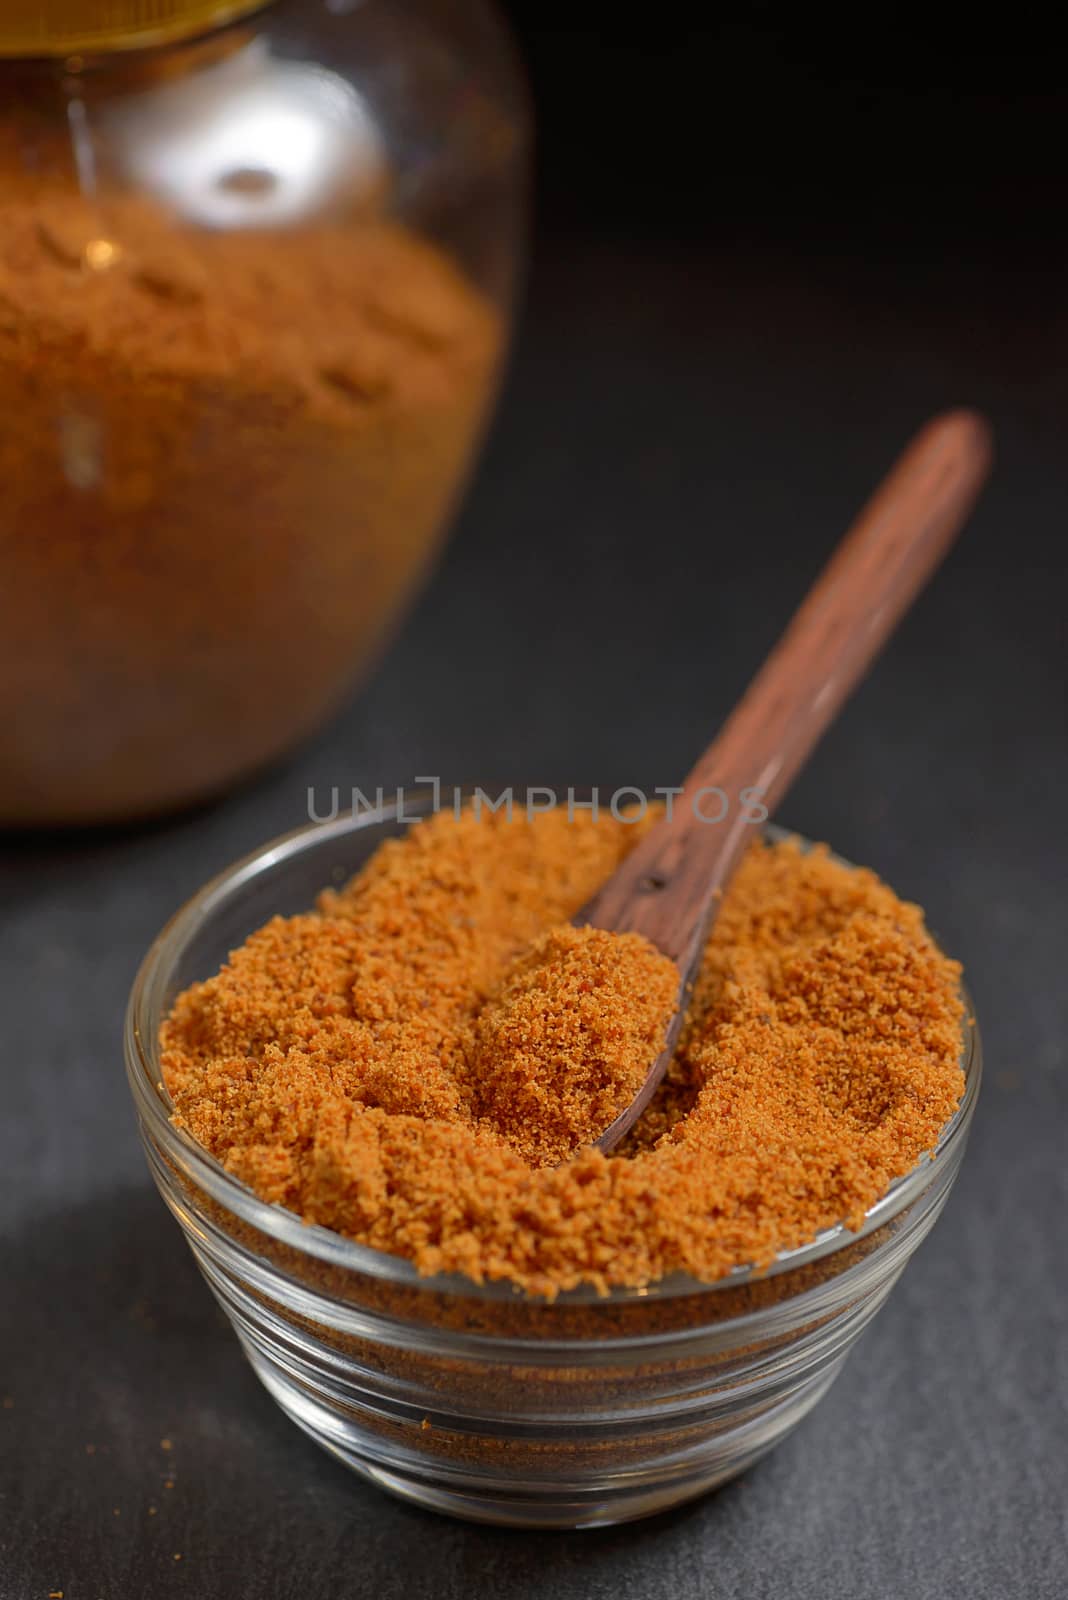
[(256, 264)]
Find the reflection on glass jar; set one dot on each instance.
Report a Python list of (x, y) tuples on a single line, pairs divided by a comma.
[(253, 293)]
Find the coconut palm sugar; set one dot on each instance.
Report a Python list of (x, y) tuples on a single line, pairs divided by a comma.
[(567, 1040), (225, 458), (407, 1063)]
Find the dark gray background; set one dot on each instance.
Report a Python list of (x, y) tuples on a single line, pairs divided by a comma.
[(704, 392)]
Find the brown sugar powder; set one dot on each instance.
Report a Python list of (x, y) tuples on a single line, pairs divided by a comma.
[(217, 446), (411, 1063), (568, 1039)]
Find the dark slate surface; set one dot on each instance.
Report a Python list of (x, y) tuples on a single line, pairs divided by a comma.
[(684, 436)]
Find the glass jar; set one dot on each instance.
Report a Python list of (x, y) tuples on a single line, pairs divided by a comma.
[(256, 264)]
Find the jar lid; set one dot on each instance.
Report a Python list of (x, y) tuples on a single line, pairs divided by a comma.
[(70, 27)]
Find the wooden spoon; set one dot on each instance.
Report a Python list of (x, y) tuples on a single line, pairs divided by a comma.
[(670, 886)]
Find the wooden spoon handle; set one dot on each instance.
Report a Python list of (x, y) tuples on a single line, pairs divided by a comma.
[(666, 888)]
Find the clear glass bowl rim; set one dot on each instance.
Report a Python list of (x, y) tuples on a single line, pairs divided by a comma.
[(145, 1014)]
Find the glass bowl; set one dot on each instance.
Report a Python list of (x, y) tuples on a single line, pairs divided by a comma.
[(482, 1401)]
